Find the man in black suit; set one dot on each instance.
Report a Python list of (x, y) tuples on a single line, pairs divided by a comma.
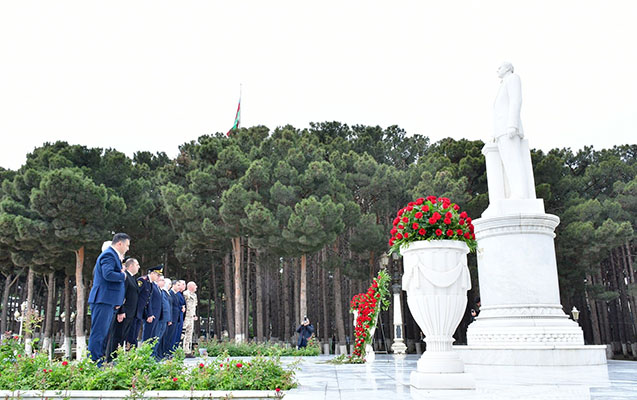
[(125, 316)]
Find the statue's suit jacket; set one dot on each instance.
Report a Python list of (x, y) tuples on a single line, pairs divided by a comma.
[(507, 106), (108, 280)]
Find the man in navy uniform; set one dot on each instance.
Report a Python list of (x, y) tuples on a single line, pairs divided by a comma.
[(144, 288), (175, 314), (152, 312), (165, 317), (125, 316), (107, 293)]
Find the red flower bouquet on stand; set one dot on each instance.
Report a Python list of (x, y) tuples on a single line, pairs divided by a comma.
[(431, 218), (366, 307)]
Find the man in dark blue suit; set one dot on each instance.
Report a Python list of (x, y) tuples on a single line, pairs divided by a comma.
[(153, 308), (175, 313), (107, 293), (165, 317), (125, 315), (182, 306)]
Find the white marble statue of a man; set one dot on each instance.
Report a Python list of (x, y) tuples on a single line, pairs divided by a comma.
[(508, 132)]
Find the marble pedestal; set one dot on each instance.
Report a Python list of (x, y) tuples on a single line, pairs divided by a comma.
[(521, 320)]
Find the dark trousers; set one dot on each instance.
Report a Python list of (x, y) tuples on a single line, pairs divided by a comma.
[(168, 340), (159, 332), (177, 337), (101, 319), (120, 331), (133, 333), (150, 330)]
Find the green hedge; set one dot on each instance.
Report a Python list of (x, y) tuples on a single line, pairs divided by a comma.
[(248, 349), (137, 370)]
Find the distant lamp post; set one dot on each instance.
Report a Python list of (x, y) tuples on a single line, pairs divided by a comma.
[(398, 347), (575, 314), (384, 261)]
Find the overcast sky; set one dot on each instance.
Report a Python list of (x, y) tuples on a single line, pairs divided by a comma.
[(150, 75)]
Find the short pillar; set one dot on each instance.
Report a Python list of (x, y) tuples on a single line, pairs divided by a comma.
[(398, 347)]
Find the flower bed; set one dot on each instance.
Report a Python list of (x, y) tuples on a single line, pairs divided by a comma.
[(136, 371), (233, 349)]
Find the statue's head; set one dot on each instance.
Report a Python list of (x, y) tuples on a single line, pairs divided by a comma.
[(505, 68)]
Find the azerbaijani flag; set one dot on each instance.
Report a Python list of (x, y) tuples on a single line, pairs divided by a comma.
[(237, 119)]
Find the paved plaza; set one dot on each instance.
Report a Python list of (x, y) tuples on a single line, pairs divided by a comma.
[(388, 379)]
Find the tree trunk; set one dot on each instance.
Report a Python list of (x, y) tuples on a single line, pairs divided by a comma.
[(267, 285), (597, 337), (80, 337), (247, 290), (303, 289), (217, 303), (325, 301), (297, 303), (50, 312), (227, 287), (626, 257), (8, 283), (27, 315), (239, 334), (67, 319), (258, 282), (338, 306), (286, 300)]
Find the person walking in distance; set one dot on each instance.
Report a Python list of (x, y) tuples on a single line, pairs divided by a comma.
[(190, 318)]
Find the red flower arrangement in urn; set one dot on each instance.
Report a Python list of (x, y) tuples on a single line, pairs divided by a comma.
[(431, 218)]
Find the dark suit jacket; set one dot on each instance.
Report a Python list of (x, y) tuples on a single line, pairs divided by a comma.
[(144, 289), (131, 295), (165, 307), (108, 279), (182, 302), (175, 307), (154, 303)]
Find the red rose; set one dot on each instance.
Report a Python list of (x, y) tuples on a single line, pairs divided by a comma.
[(277, 390), (447, 221), (448, 215), (468, 220), (44, 370), (400, 226), (393, 231), (473, 236), (471, 228), (410, 207), (432, 199), (399, 236), (175, 379), (461, 222), (459, 232), (456, 207), (422, 231), (467, 235), (449, 232), (405, 219), (420, 201), (418, 215), (414, 226), (438, 232), (406, 235), (425, 208), (391, 242), (411, 203), (436, 215), (201, 365), (400, 212), (396, 220), (463, 214), (65, 363), (239, 365), (432, 221)]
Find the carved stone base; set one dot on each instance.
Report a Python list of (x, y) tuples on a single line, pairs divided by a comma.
[(538, 356)]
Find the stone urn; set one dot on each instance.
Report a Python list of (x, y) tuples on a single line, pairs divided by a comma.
[(436, 280)]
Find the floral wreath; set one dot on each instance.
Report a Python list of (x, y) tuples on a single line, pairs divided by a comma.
[(368, 305)]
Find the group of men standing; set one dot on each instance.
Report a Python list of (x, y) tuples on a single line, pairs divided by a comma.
[(122, 305)]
